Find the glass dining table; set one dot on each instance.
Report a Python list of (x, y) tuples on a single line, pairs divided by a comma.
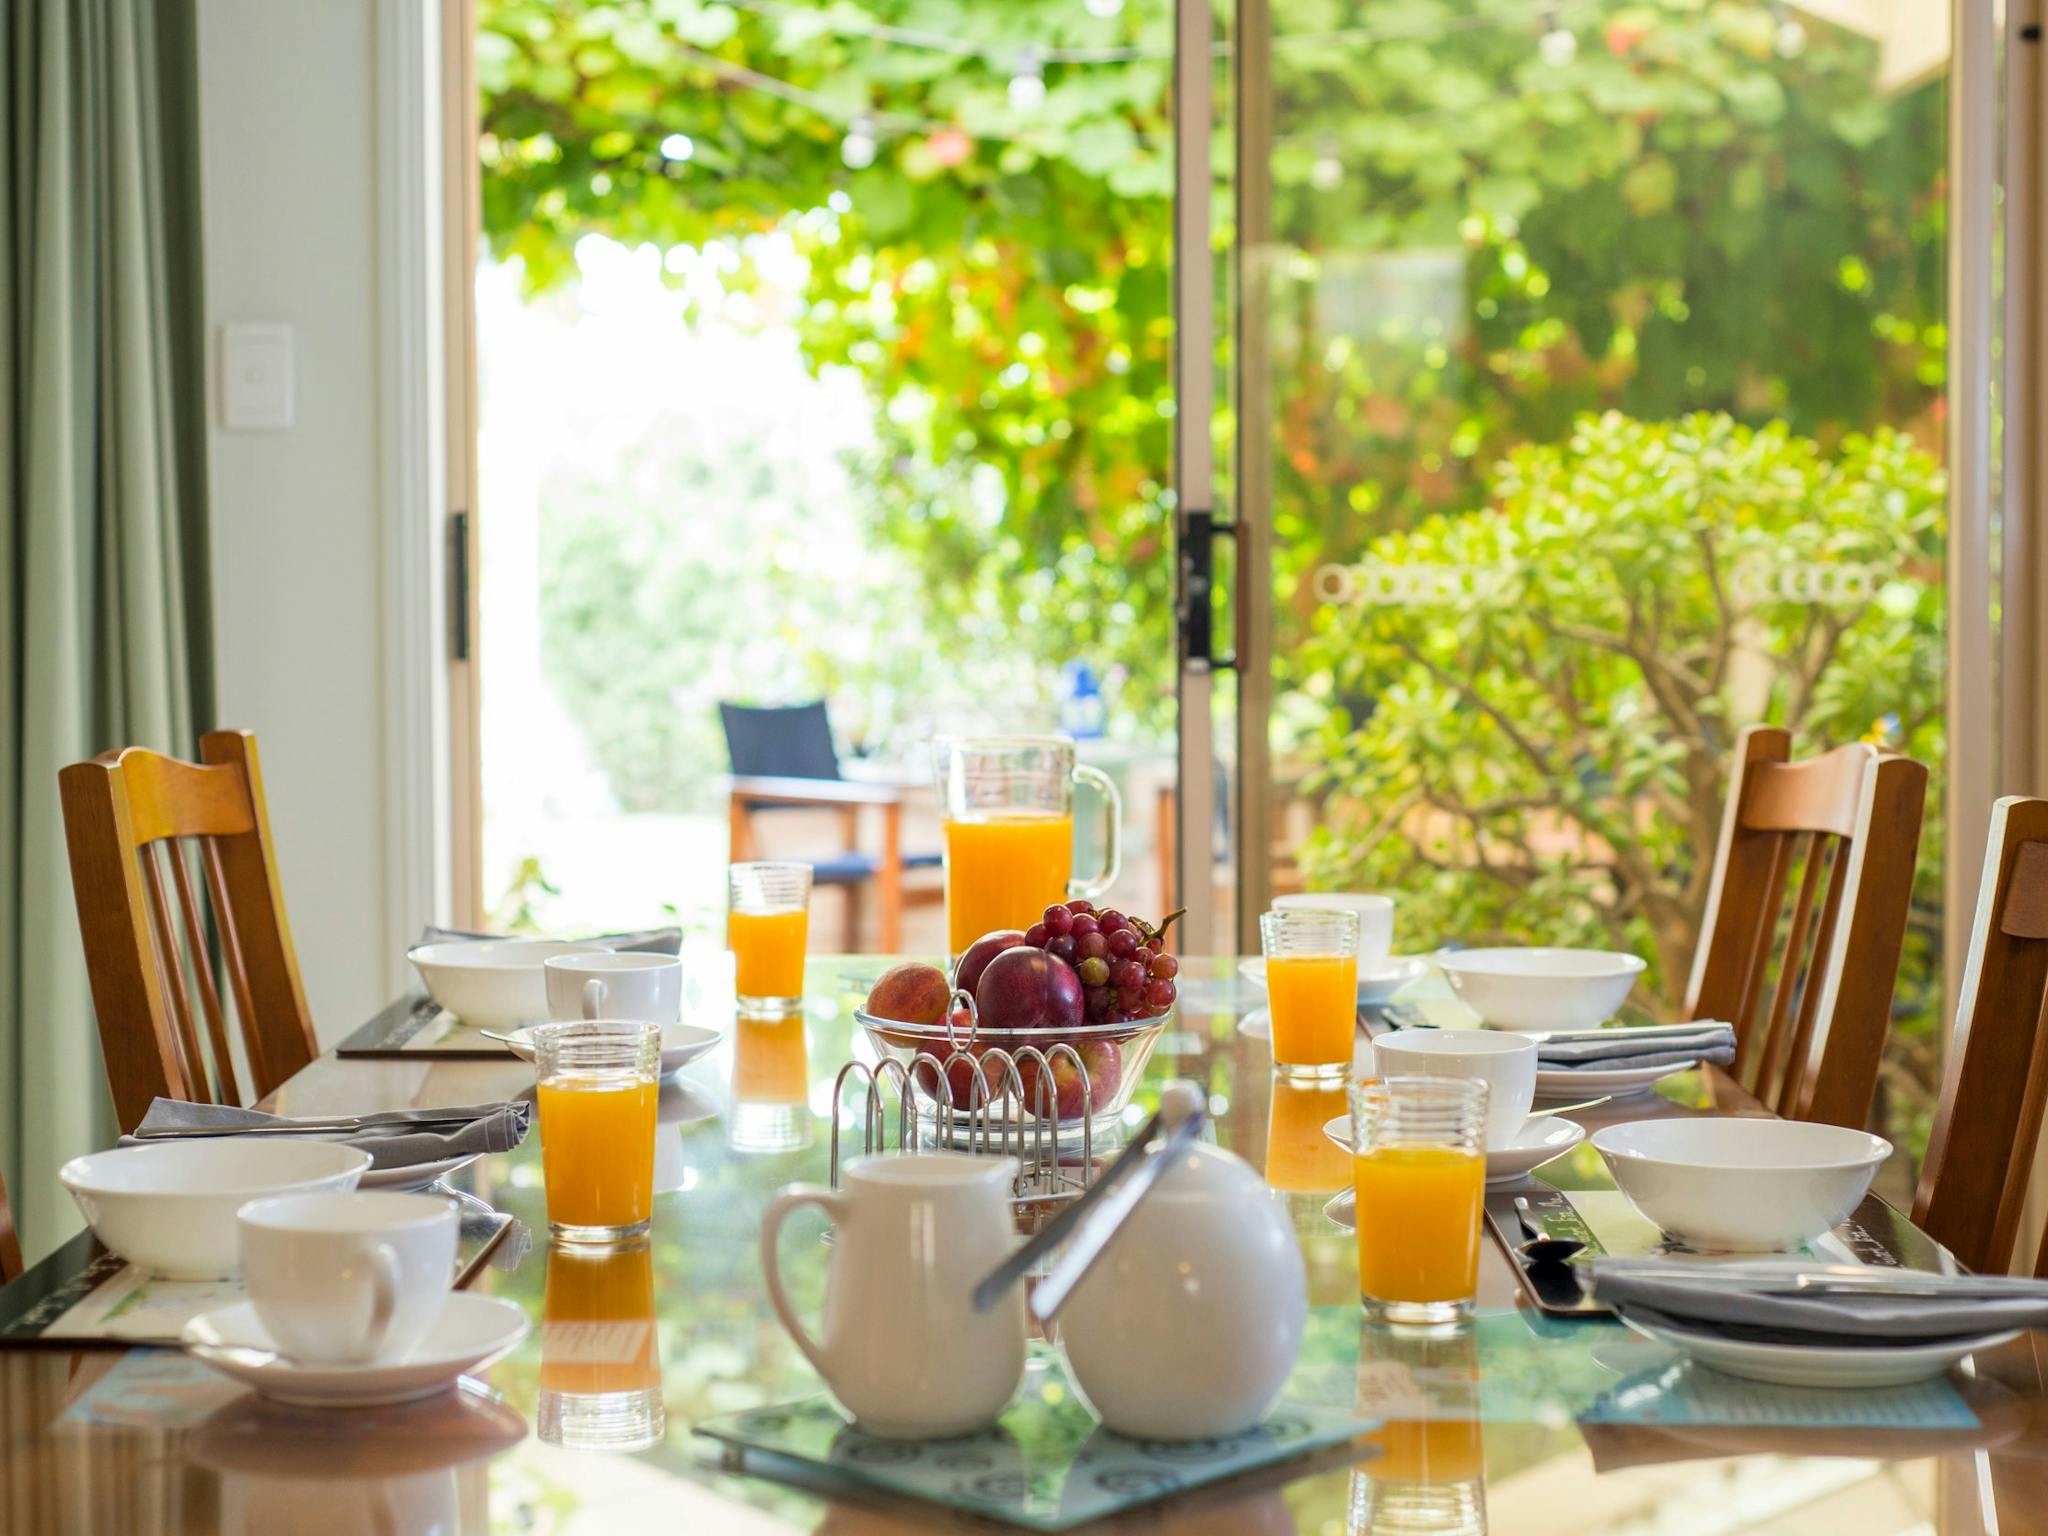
[(1486, 1430)]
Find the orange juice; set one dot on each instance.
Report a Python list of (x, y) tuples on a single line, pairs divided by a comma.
[(1298, 1155), (1418, 1223), (597, 1323), (768, 951), (1426, 1451), (770, 1065), (597, 1149), (1004, 870), (1314, 1004)]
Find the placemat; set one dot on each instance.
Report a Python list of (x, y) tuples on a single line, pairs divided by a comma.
[(1517, 1367), (1874, 1235), (83, 1297), (416, 1028), (1046, 1465)]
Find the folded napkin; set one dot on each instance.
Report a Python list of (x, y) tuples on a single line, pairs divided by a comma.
[(1613, 1049), (398, 1138), (1690, 1296), (651, 941)]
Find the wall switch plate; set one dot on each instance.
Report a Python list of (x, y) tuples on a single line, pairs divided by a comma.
[(255, 376)]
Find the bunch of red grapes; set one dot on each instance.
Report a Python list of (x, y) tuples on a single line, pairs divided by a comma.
[(1126, 973)]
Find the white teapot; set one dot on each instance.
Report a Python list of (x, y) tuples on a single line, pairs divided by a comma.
[(1187, 1323)]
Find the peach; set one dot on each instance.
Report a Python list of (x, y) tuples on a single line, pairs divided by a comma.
[(910, 993)]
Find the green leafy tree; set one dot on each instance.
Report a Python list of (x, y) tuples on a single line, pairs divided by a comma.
[(1677, 218), (1545, 709)]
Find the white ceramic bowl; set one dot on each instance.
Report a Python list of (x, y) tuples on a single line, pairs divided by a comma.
[(494, 983), (1748, 1185), (170, 1206), (1530, 987)]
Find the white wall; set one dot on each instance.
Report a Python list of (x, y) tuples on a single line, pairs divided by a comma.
[(289, 140)]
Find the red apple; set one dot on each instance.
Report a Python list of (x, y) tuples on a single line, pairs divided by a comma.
[(1026, 988), (977, 955), (1103, 1064)]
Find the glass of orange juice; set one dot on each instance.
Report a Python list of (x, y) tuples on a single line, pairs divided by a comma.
[(1311, 989), (599, 1082), (600, 1360), (768, 928), (1419, 1168), (1008, 804)]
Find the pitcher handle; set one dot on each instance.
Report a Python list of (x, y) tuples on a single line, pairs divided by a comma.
[(1112, 841), (833, 1204)]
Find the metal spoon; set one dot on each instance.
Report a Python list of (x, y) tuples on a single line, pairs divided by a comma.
[(1542, 1248)]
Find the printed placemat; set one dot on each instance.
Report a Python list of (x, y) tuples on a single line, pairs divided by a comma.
[(1046, 1465)]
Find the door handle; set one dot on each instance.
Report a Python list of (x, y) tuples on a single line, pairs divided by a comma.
[(1196, 610)]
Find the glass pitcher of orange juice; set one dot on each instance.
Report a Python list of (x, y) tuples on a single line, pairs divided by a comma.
[(1008, 805)]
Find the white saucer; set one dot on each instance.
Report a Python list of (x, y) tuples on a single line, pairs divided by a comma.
[(415, 1176), (1808, 1365), (1374, 986), (1616, 1083), (681, 1044), (1542, 1139), (471, 1331)]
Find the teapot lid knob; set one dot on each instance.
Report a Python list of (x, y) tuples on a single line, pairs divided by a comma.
[(1177, 1101)]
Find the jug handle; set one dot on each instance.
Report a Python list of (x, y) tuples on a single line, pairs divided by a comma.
[(833, 1204), (1112, 832)]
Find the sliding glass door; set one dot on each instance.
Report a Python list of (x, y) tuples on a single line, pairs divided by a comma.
[(1588, 403)]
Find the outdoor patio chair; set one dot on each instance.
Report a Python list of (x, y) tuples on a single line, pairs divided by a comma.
[(783, 759)]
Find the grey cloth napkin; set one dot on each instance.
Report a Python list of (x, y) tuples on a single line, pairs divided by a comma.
[(1614, 1050), (1686, 1296), (652, 941), (398, 1138)]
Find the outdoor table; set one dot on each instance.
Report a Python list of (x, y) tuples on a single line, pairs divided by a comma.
[(179, 1466)]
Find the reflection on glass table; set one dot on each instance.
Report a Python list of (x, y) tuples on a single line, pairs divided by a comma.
[(1430, 1473), (600, 1358), (770, 1086)]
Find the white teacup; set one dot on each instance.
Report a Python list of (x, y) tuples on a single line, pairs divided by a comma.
[(1506, 1063), (348, 1278), (642, 987), (1375, 920)]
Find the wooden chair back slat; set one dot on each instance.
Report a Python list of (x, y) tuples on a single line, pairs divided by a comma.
[(124, 813), (1973, 1183), (1763, 918), (1786, 1100), (1809, 854), (1849, 822), (10, 1244), (171, 970), (209, 993)]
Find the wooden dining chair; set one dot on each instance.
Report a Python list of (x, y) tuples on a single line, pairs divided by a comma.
[(134, 820), (10, 1242), (1987, 1122), (1844, 829)]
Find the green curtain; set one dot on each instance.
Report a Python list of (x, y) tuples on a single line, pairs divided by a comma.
[(104, 639)]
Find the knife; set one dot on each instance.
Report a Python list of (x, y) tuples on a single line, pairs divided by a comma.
[(1620, 1031), (300, 1128), (1087, 1223)]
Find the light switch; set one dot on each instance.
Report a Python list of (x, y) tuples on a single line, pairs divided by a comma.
[(255, 376)]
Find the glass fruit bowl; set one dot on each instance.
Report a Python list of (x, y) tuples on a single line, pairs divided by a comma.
[(1111, 1058)]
